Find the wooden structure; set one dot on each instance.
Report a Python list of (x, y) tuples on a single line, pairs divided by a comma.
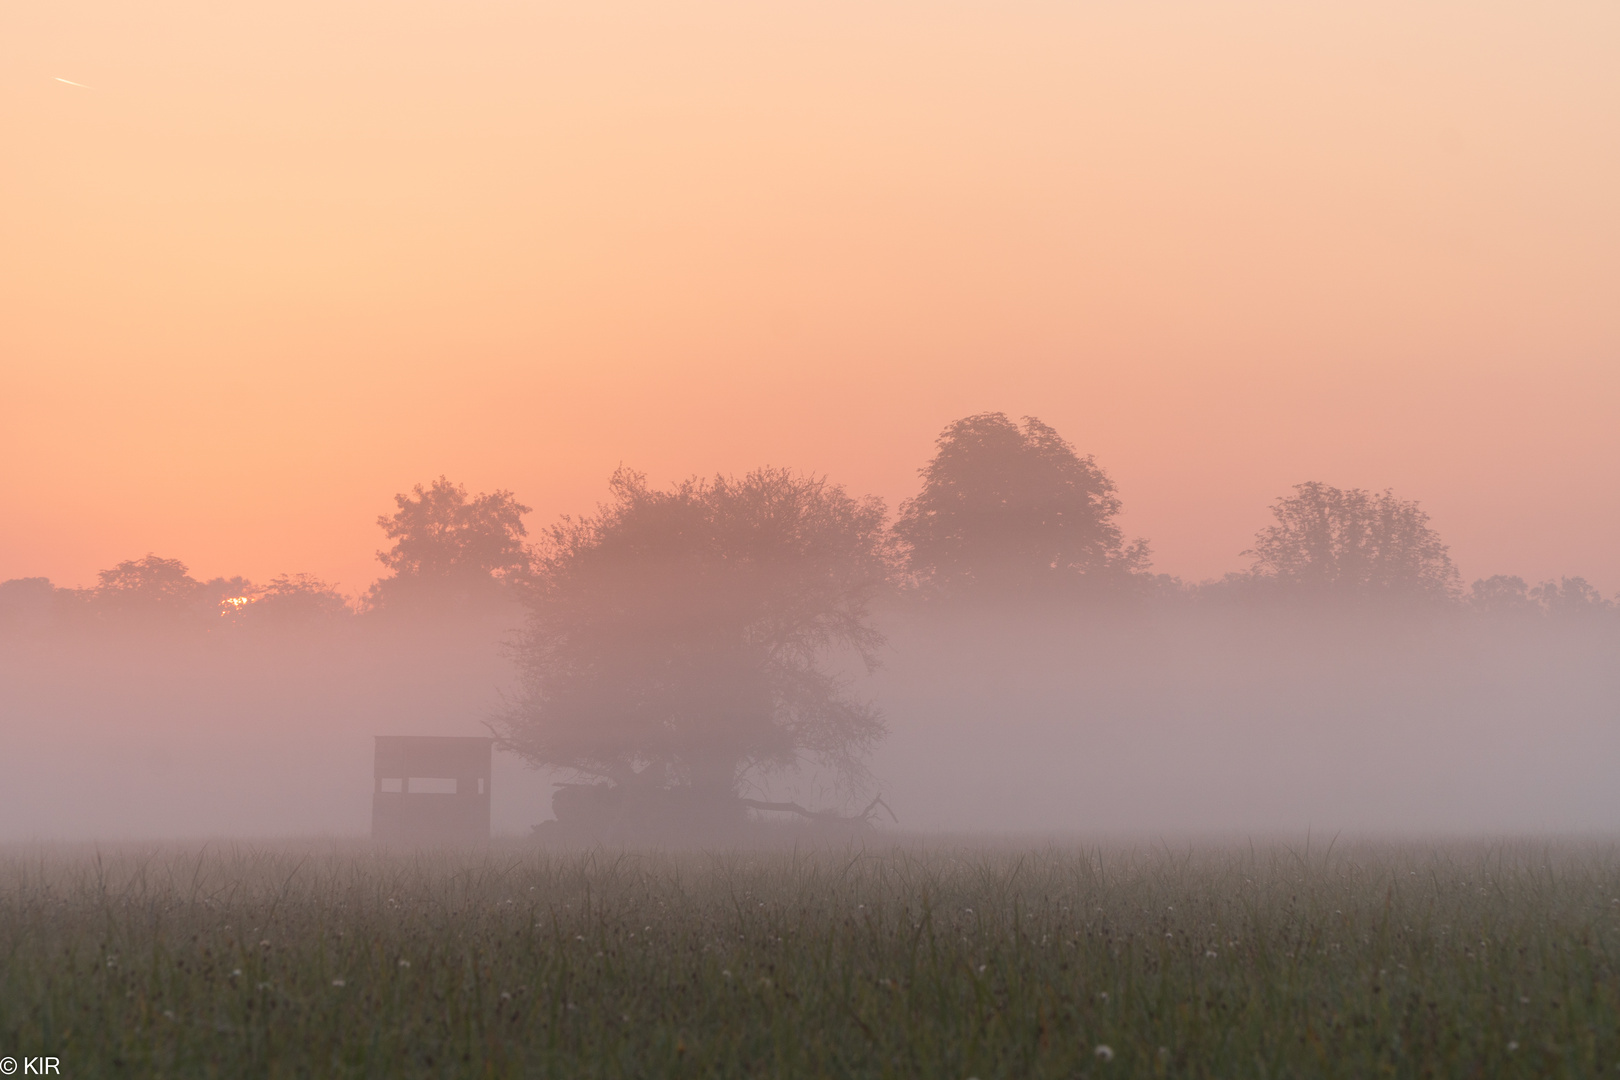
[(431, 789)]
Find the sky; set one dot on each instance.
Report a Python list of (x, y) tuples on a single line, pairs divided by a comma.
[(268, 264)]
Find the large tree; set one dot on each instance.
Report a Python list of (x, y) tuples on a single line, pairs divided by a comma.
[(451, 545), (1349, 542), (679, 638), (1012, 508)]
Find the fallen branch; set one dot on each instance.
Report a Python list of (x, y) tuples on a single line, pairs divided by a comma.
[(819, 815)]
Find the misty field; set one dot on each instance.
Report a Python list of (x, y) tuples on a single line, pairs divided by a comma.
[(926, 960)]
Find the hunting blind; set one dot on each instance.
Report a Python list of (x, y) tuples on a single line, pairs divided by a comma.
[(431, 789)]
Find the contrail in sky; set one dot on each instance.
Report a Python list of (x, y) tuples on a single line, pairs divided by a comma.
[(70, 82)]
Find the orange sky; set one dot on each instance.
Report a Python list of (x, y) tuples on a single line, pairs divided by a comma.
[(267, 267)]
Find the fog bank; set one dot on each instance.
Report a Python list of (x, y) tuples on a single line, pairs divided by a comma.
[(1168, 716)]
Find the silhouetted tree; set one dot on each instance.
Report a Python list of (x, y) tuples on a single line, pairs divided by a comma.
[(1570, 598), (29, 601), (1502, 594), (148, 586), (229, 597), (1012, 508), (298, 598), (1352, 543), (449, 545), (677, 637)]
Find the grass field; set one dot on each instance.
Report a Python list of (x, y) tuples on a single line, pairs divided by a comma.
[(924, 959)]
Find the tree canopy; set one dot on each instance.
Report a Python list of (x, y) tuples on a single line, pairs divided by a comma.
[(678, 638), (150, 583), (1013, 507), (298, 598), (1570, 598), (1327, 540), (448, 544), (1502, 594)]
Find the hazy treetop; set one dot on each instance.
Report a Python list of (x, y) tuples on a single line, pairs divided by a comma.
[(1007, 506), (149, 581), (1329, 540), (299, 597), (447, 540)]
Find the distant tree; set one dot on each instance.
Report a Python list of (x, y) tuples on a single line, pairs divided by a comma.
[(26, 601), (229, 597), (1502, 594), (1570, 598), (149, 585), (1013, 508), (448, 544), (157, 588), (1353, 543), (677, 637), (298, 598)]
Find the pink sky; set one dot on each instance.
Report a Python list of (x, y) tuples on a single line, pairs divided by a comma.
[(267, 267)]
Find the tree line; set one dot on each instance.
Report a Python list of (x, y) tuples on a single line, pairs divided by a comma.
[(682, 640), (1007, 511)]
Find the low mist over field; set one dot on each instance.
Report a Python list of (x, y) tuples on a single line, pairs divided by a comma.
[(994, 655)]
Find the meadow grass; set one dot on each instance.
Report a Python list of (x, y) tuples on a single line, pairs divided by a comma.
[(897, 960)]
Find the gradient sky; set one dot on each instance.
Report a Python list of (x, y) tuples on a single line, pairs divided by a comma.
[(272, 263)]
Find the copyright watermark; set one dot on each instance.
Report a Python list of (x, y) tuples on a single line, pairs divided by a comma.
[(30, 1066)]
